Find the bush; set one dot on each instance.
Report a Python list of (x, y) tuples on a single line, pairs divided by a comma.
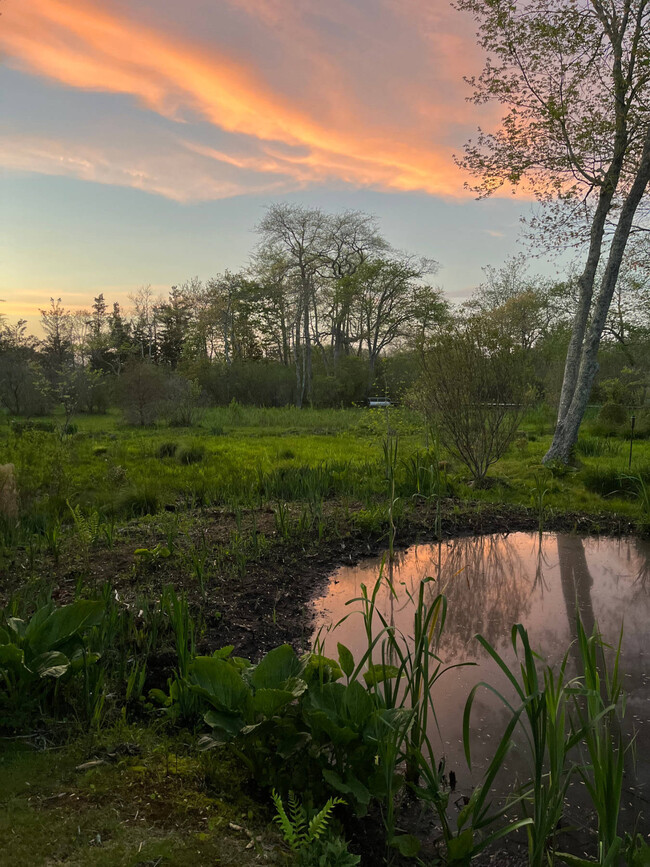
[(167, 450), (475, 390), (138, 502), (614, 414), (141, 391), (191, 455), (182, 402), (19, 427), (608, 481)]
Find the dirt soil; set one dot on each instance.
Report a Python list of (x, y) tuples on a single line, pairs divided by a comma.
[(268, 601)]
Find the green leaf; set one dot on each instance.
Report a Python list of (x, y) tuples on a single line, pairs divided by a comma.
[(269, 701), (322, 667), (350, 786), (459, 849), (220, 683), (276, 668), (346, 659), (62, 624), (161, 697), (17, 626), (379, 673), (12, 655), (228, 723), (358, 703), (52, 664), (406, 844), (338, 733)]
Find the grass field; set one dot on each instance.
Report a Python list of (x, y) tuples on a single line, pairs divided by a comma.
[(244, 457)]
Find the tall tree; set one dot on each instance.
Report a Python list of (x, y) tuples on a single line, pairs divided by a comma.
[(574, 77), (391, 304), (56, 322), (174, 317), (302, 236)]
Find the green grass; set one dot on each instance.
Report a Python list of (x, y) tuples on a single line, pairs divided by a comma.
[(264, 455)]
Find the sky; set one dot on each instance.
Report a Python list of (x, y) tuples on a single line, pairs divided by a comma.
[(141, 140)]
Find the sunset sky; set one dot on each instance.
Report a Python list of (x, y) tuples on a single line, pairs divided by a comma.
[(142, 140)]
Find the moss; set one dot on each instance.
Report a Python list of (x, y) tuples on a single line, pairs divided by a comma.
[(160, 803)]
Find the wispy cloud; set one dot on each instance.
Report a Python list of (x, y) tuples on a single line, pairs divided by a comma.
[(282, 137)]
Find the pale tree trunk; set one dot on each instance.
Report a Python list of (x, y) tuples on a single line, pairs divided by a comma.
[(566, 432)]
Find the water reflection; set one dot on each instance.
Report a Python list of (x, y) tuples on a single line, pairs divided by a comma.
[(493, 582)]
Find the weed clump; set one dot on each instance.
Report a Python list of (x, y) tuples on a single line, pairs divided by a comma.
[(167, 450), (138, 502), (193, 454)]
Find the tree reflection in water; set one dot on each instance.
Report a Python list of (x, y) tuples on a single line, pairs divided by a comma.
[(492, 582)]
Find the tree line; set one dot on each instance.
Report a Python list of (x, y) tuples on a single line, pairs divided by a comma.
[(322, 301)]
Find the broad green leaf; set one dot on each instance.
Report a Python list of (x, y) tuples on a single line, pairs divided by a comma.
[(270, 701), (62, 624), (460, 848), (379, 673), (161, 697), (329, 698), (220, 683), (79, 660), (50, 664), (292, 743), (16, 625), (322, 667), (346, 659), (276, 668), (406, 844), (227, 723), (223, 652), (358, 704), (339, 733), (350, 786), (12, 655)]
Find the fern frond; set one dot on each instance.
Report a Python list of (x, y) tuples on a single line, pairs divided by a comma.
[(284, 822), (318, 823), (298, 815)]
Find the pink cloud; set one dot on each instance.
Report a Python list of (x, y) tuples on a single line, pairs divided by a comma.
[(365, 126)]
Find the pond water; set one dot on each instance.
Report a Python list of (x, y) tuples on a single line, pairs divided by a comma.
[(492, 582)]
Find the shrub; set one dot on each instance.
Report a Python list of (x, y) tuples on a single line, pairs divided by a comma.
[(141, 391), (193, 454), (608, 481), (167, 450), (138, 502), (614, 414), (475, 390), (182, 402), (19, 427)]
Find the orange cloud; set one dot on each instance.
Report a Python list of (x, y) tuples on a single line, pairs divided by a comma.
[(83, 46)]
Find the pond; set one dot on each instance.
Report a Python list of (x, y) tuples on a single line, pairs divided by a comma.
[(491, 583)]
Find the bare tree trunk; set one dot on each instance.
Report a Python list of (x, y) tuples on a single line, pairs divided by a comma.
[(586, 287), (566, 432)]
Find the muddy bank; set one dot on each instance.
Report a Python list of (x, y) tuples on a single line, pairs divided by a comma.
[(266, 601)]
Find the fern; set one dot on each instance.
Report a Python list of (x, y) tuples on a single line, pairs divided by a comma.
[(298, 831), (286, 825), (318, 823), (86, 527)]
